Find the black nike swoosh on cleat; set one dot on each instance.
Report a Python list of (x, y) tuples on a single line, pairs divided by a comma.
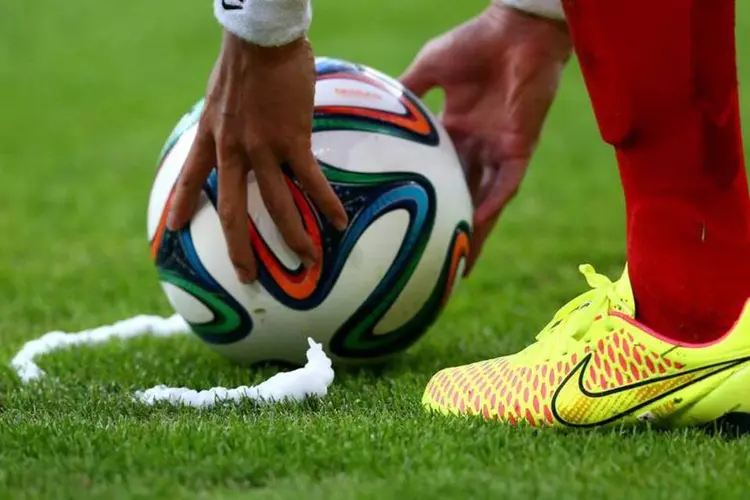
[(232, 6), (623, 402)]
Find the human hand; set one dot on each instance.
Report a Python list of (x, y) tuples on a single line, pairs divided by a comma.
[(500, 72), (257, 116)]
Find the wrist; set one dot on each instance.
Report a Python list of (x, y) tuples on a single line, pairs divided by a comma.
[(265, 23), (548, 37), (232, 45), (549, 9)]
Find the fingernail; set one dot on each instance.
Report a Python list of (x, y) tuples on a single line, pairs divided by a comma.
[(170, 221), (244, 276), (308, 262), (340, 224)]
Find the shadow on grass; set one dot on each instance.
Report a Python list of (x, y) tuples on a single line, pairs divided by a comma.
[(730, 427)]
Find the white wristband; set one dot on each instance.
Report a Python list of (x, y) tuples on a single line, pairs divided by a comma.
[(544, 8), (270, 23)]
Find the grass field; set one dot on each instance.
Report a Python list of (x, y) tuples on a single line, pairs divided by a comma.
[(88, 96)]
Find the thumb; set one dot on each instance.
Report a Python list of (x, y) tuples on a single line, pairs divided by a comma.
[(419, 77), (496, 194)]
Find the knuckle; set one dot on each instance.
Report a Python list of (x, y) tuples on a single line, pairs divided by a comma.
[(298, 243), (499, 202), (312, 180), (229, 216), (512, 193), (255, 149), (205, 121), (276, 208), (455, 126), (430, 48), (299, 145), (185, 182), (226, 138), (226, 145), (206, 126)]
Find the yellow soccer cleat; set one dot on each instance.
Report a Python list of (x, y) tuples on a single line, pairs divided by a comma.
[(595, 365)]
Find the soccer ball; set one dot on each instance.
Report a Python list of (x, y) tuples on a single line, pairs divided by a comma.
[(382, 282)]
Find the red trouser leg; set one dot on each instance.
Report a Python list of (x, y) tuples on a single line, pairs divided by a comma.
[(662, 78)]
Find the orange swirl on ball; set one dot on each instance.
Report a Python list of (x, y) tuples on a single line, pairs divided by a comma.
[(460, 251), (301, 283)]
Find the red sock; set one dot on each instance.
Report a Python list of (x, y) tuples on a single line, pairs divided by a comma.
[(663, 82)]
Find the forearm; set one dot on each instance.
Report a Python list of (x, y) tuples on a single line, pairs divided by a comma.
[(269, 23)]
